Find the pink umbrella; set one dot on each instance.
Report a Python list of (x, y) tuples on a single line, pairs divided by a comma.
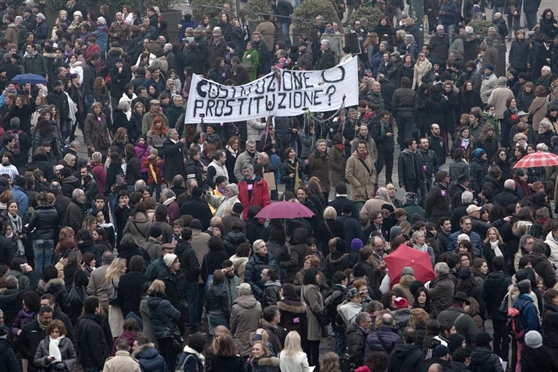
[(407, 256), (285, 209)]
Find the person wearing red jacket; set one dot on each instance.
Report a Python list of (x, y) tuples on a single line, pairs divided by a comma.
[(252, 190)]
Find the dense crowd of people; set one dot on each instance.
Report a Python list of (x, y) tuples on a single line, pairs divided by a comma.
[(119, 260)]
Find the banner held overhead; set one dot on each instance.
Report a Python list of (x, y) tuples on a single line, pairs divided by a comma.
[(281, 93)]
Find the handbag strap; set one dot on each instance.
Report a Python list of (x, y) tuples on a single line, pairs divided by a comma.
[(328, 229), (185, 360)]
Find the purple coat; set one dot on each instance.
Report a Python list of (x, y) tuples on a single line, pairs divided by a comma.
[(21, 319), (142, 153)]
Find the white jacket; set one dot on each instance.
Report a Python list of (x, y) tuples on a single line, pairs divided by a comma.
[(298, 363)]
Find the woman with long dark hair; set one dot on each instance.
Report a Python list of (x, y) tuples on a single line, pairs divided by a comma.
[(423, 301)]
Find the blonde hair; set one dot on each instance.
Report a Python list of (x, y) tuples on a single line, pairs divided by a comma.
[(114, 269), (487, 240), (157, 286), (292, 345)]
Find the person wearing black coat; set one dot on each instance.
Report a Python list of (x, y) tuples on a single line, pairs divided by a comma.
[(519, 52), (33, 333), (91, 346), (382, 133), (130, 287), (408, 356), (326, 230), (195, 207), (234, 238), (437, 109), (8, 359), (540, 52), (495, 288), (356, 338), (164, 317), (289, 170), (213, 260), (174, 156), (483, 358)]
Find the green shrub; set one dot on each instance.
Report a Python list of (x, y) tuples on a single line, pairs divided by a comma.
[(257, 8), (304, 16), (368, 16), (210, 8), (480, 27)]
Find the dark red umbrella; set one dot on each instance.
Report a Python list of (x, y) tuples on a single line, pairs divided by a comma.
[(285, 209), (407, 256)]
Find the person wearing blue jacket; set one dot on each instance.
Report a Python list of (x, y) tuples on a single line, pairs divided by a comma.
[(148, 357), (449, 14)]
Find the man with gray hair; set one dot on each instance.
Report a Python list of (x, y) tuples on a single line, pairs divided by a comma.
[(441, 288), (412, 46), (374, 205), (222, 202), (75, 214), (171, 59), (10, 299), (407, 277), (97, 284), (252, 190), (260, 260), (499, 97), (507, 196), (328, 59), (250, 156), (139, 184), (356, 337)]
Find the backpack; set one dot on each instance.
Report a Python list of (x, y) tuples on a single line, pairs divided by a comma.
[(515, 328), (16, 150)]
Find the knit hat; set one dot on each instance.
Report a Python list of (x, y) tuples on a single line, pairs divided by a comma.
[(155, 232), (101, 21), (489, 67), (533, 339), (411, 196), (440, 351), (359, 271), (362, 369), (395, 231), (169, 259), (41, 16), (351, 293), (478, 153), (196, 224), (401, 303), (484, 338), (465, 273), (237, 208), (197, 192), (356, 244), (455, 342)]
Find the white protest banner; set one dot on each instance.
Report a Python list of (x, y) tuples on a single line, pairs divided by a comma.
[(280, 93)]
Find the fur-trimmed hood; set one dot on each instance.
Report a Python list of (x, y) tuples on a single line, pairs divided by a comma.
[(142, 348), (54, 285), (292, 306), (520, 228), (189, 350), (265, 362)]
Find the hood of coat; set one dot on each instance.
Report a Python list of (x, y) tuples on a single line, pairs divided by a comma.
[(265, 362), (189, 350), (292, 306), (246, 301), (406, 280), (147, 351), (54, 285), (520, 227)]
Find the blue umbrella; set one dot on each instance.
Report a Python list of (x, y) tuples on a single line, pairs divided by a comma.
[(29, 79)]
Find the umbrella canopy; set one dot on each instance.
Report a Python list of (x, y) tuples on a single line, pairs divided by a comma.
[(407, 256), (537, 159), (285, 209), (29, 79)]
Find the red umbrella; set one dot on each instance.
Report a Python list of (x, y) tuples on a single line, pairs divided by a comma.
[(537, 159), (285, 209), (407, 256)]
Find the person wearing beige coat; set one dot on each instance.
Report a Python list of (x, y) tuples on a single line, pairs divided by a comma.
[(312, 297), (361, 174), (122, 361), (538, 108), (422, 67)]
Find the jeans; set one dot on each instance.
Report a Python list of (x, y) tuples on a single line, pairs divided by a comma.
[(448, 29), (216, 318), (113, 204), (340, 343), (276, 161), (192, 296), (358, 206), (531, 19), (89, 100), (155, 188), (285, 25), (43, 249)]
